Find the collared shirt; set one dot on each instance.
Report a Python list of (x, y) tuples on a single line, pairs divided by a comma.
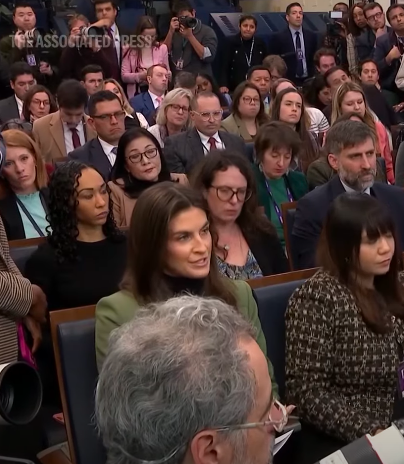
[(19, 105), (155, 99), (293, 32), (117, 41), (107, 147), (68, 136), (206, 144), (351, 190)]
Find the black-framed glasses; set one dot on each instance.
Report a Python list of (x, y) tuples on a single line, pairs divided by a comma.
[(105, 117), (227, 193), (249, 100), (375, 16), (137, 158)]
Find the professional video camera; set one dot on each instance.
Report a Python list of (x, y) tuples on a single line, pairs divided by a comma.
[(188, 21), (92, 31), (386, 447), (334, 28), (20, 393)]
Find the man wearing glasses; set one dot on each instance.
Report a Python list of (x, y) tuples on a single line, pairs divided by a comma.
[(107, 118), (207, 400), (376, 20), (183, 151)]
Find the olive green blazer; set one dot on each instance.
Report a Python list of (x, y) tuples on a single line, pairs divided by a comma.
[(113, 311)]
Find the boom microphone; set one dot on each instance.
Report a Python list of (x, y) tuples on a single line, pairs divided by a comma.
[(386, 447), (20, 393)]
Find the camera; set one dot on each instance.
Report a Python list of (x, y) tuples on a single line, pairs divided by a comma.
[(188, 21), (334, 28), (92, 31)]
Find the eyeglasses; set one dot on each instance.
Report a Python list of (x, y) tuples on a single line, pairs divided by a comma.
[(41, 102), (149, 154), (277, 418), (178, 108), (117, 115), (249, 100), (227, 193), (375, 16), (206, 115)]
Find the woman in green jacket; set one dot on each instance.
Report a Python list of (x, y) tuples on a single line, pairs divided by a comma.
[(169, 253), (277, 145)]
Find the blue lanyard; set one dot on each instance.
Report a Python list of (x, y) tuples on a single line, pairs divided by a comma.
[(276, 207)]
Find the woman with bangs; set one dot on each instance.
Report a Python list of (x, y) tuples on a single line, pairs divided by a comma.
[(344, 326)]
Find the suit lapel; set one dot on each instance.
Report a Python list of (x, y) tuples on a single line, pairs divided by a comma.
[(14, 109), (148, 103), (56, 131), (196, 147), (99, 158), (241, 128)]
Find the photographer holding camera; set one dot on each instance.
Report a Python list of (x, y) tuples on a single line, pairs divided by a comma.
[(192, 45), (337, 31)]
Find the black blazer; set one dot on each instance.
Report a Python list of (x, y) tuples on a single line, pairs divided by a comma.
[(282, 44), (312, 210), (91, 153), (387, 72), (8, 109), (11, 216)]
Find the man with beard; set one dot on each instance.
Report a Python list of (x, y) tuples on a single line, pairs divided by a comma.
[(185, 382), (351, 152)]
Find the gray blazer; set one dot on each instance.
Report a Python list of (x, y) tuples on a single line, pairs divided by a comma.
[(8, 109), (183, 151)]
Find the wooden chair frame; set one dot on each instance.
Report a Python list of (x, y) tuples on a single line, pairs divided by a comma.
[(281, 278)]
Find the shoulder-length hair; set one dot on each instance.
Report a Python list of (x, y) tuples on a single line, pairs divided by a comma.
[(147, 244), (125, 102), (352, 27), (338, 253), (18, 138), (261, 118), (307, 154), (170, 99), (251, 220), (131, 186), (215, 89), (143, 23), (30, 95)]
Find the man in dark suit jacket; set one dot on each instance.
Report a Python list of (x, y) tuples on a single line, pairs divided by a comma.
[(296, 45), (351, 152), (183, 151), (107, 117)]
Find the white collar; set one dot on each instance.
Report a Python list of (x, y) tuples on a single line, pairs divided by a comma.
[(18, 100), (351, 190), (154, 96), (107, 147), (293, 30), (205, 138)]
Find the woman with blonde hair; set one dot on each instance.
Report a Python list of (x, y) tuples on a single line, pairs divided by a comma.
[(349, 98), (172, 115), (132, 118), (23, 206)]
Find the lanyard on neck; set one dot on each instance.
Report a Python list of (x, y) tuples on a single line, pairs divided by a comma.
[(272, 199), (248, 58)]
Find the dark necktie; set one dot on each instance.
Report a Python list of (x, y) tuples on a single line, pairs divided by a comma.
[(212, 143), (299, 55), (75, 138)]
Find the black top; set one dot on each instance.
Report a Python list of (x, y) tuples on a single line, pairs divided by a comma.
[(95, 274)]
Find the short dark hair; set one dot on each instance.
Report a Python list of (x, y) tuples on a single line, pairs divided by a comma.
[(273, 62), (323, 52), (19, 69), (347, 134), (71, 94), (247, 17), (100, 2), (185, 80), (332, 70), (98, 97), (89, 69), (182, 5), (291, 5), (368, 60), (341, 3), (371, 6), (257, 68), (393, 7), (22, 5), (275, 135)]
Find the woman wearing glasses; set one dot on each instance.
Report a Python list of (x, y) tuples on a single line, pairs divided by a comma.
[(245, 242), (172, 115), (38, 102), (139, 165), (248, 112)]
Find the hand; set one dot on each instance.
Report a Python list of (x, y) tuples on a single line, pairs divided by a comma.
[(142, 75), (393, 54), (398, 108), (35, 330), (39, 305), (185, 31), (224, 90), (180, 178), (19, 39), (290, 409), (174, 24), (104, 22), (45, 68)]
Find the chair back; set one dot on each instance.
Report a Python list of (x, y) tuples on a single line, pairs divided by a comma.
[(288, 216), (21, 250), (73, 335), (249, 146)]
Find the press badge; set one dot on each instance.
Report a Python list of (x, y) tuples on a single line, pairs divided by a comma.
[(31, 60), (180, 64), (401, 380), (299, 54)]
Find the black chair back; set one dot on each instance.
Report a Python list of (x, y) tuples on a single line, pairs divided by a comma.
[(20, 256), (293, 256), (249, 146), (272, 302), (76, 342)]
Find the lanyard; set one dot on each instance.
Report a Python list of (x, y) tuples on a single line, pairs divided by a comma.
[(276, 207), (29, 217), (248, 58)]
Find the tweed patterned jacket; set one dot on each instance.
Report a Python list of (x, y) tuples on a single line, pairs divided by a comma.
[(340, 374), (15, 301)]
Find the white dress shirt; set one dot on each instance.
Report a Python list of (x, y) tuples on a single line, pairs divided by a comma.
[(351, 190), (107, 147), (300, 31), (156, 99), (206, 144), (68, 136), (117, 41), (19, 105)]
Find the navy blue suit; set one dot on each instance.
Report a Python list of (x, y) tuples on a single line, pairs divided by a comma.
[(142, 103)]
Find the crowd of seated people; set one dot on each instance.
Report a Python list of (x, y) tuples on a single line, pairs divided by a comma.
[(146, 177)]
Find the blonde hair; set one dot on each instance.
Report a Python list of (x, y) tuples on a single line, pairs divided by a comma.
[(125, 102), (170, 99), (18, 138)]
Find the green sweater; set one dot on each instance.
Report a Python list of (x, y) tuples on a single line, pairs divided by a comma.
[(113, 311)]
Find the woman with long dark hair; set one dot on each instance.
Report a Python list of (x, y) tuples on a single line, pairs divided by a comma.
[(38, 102), (344, 326), (206, 83)]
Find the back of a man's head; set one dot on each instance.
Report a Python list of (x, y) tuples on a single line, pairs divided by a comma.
[(346, 134), (177, 368)]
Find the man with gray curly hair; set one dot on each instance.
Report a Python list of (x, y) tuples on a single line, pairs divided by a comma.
[(185, 382)]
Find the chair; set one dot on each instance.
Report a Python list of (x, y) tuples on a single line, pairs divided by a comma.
[(21, 250), (249, 146), (73, 335), (288, 216)]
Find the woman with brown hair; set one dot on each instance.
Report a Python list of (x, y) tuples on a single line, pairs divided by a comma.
[(138, 59), (38, 102), (248, 112), (344, 326), (24, 204), (170, 253)]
